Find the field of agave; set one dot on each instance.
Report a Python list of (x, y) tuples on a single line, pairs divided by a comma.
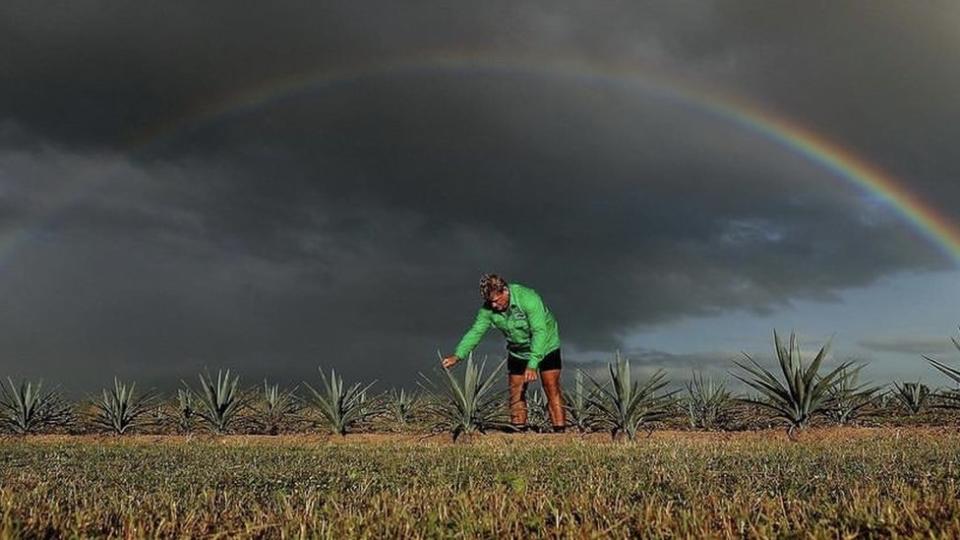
[(337, 459), (795, 394)]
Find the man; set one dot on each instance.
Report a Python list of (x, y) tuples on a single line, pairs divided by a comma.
[(533, 344)]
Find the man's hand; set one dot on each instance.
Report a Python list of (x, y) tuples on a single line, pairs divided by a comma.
[(449, 362), (529, 375)]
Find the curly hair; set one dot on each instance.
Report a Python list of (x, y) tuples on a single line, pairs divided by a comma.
[(491, 283)]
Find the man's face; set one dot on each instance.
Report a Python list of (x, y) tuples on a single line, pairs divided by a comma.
[(500, 300)]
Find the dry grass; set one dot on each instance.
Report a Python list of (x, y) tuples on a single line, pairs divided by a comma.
[(826, 434), (837, 482)]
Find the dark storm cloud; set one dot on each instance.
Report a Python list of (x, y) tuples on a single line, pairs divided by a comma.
[(910, 345), (347, 225), (678, 367), (720, 367)]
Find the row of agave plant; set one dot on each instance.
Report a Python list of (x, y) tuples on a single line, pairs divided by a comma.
[(622, 405)]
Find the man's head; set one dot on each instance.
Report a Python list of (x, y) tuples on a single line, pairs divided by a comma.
[(494, 291)]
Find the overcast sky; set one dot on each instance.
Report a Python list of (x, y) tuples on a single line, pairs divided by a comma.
[(345, 223)]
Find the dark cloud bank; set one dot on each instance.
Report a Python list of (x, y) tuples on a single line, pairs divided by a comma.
[(347, 226)]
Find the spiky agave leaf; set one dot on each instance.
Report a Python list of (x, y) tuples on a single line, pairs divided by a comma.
[(27, 408), (119, 410), (341, 406), (848, 398), (278, 407), (883, 400), (803, 392), (185, 409), (951, 396), (912, 395), (472, 406), (403, 405), (581, 413), (953, 373), (706, 402), (629, 405), (538, 416), (219, 402)]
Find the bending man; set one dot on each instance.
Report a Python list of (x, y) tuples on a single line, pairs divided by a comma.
[(533, 344)]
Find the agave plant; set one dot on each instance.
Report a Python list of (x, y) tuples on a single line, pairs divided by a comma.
[(581, 413), (884, 400), (402, 406), (802, 394), (158, 416), (538, 416), (912, 395), (341, 406), (219, 403), (848, 398), (278, 407), (121, 409), (951, 396), (185, 410), (707, 402), (27, 408), (630, 404), (467, 407)]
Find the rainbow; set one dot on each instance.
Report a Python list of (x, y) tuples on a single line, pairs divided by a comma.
[(842, 163)]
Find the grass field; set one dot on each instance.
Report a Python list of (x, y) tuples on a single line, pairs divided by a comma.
[(835, 482)]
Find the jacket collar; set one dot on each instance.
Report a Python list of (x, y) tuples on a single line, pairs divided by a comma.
[(513, 296)]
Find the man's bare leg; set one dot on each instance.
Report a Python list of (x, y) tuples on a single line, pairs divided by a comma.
[(518, 400), (551, 387)]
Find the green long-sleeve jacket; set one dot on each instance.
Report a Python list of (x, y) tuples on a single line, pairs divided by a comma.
[(530, 328)]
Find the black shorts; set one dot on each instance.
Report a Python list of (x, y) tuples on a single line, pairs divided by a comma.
[(516, 366)]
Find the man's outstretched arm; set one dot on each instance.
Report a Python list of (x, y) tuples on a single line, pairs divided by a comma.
[(473, 336)]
